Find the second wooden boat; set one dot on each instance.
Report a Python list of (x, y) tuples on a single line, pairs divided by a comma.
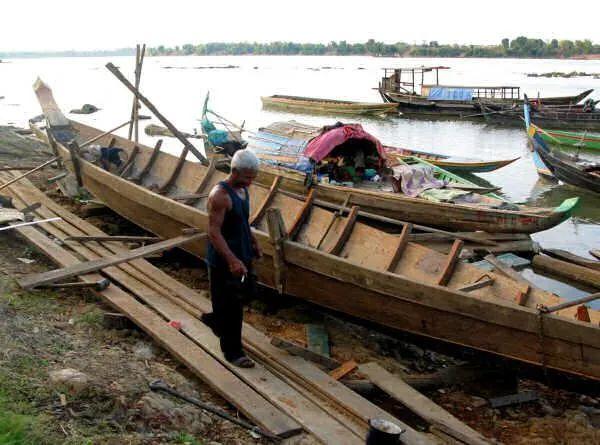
[(572, 139), (337, 262), (330, 106)]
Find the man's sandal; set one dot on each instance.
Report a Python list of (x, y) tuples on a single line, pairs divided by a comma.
[(243, 362)]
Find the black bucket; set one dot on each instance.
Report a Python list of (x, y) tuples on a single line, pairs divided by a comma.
[(383, 432)]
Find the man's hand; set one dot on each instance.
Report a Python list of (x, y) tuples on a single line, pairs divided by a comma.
[(237, 268)]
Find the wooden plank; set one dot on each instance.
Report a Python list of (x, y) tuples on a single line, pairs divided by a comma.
[(421, 405), (144, 171), (344, 234), (195, 358), (129, 164), (343, 370), (31, 281), (119, 238), (451, 261), (33, 170), (294, 349), (514, 261), (402, 243), (171, 181), (302, 215), (266, 202), (317, 339)]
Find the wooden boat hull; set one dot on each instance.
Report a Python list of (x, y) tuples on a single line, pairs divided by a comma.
[(314, 105), (564, 169), (477, 319), (570, 139)]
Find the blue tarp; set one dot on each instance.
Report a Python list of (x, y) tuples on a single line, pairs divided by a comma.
[(443, 93)]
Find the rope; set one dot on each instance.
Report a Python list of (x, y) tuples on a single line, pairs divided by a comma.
[(540, 310)]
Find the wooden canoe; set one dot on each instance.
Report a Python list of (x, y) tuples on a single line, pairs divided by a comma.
[(316, 105), (572, 139), (281, 141), (345, 265)]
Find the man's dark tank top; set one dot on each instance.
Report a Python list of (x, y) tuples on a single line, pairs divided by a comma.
[(235, 230)]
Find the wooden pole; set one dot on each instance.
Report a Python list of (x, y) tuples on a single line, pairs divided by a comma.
[(133, 107), (277, 235), (113, 69), (33, 170), (568, 304), (139, 60), (106, 133)]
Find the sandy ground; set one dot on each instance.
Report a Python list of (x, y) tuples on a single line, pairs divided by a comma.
[(45, 331)]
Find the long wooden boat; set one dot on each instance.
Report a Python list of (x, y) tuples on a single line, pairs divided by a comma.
[(337, 262), (283, 142), (568, 118), (397, 205), (400, 86), (573, 139), (568, 168), (316, 105)]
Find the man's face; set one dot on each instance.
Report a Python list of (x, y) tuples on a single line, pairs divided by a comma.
[(243, 177)]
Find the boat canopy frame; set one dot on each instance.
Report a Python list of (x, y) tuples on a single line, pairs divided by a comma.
[(393, 81)]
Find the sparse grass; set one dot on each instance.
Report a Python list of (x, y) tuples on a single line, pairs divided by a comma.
[(92, 317), (187, 439)]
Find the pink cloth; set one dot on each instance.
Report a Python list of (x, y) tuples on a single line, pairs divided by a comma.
[(319, 147)]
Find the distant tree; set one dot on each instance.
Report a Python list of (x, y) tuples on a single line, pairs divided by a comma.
[(506, 44)]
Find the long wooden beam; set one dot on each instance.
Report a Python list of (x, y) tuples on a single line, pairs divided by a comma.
[(113, 69), (31, 281), (106, 133), (119, 238), (33, 170)]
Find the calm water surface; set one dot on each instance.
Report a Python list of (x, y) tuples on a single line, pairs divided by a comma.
[(178, 85)]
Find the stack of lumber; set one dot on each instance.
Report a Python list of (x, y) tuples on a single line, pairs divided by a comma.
[(283, 394)]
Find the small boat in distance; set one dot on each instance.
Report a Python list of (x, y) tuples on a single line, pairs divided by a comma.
[(330, 106), (415, 97)]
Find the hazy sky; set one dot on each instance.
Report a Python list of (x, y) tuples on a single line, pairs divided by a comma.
[(108, 24)]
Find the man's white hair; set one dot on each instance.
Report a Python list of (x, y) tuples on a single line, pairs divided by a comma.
[(244, 160)]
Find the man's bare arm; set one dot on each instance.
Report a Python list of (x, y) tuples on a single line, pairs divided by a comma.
[(218, 204)]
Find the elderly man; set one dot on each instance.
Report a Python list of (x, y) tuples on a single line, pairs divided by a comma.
[(231, 249)]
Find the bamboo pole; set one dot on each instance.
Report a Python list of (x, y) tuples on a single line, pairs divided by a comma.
[(139, 60), (568, 304), (106, 133), (113, 69), (33, 170)]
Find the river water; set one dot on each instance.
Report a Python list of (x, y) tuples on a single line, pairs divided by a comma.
[(178, 85)]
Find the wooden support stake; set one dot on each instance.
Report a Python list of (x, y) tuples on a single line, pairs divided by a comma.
[(34, 280), (302, 215), (277, 236), (113, 69), (266, 202), (451, 261), (345, 369), (130, 161), (345, 232), (402, 243), (33, 170)]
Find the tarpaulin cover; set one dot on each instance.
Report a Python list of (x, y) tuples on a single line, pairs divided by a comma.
[(444, 93), (320, 147)]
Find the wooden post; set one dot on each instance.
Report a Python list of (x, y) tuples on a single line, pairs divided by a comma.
[(54, 147), (139, 60), (277, 236), (74, 150), (113, 69)]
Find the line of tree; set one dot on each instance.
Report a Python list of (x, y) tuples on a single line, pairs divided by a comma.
[(69, 53), (519, 47)]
